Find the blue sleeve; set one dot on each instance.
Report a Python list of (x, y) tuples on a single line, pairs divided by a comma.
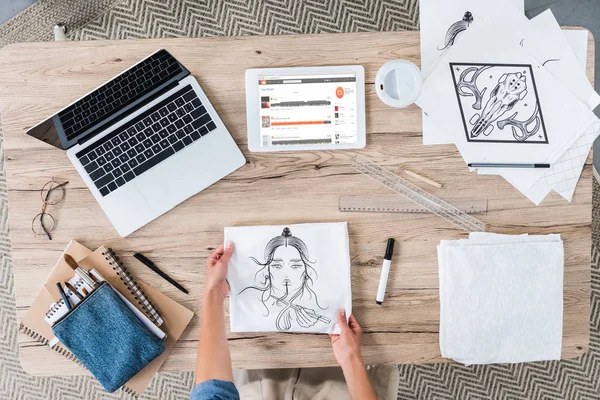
[(215, 390)]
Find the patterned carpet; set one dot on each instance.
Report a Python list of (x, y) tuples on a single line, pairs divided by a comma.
[(122, 19)]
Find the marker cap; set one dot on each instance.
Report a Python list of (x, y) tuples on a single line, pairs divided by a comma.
[(389, 249)]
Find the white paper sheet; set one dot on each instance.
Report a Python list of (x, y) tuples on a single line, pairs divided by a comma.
[(578, 41), (501, 298), (289, 278), (506, 75), (566, 171), (439, 19), (548, 44), (564, 174), (544, 40)]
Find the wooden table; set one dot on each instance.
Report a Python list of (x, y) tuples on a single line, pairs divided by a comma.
[(38, 79)]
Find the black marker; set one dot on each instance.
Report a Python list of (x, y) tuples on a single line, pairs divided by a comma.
[(144, 260), (385, 271)]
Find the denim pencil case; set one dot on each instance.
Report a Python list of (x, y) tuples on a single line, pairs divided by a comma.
[(107, 337)]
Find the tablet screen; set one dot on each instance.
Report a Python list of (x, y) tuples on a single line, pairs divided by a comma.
[(307, 109)]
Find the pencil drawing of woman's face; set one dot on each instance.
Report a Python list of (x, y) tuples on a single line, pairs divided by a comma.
[(287, 269)]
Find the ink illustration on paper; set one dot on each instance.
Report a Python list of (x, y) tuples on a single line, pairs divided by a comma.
[(284, 282), (455, 29), (499, 103)]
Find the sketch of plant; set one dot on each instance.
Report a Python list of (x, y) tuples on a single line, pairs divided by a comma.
[(285, 283)]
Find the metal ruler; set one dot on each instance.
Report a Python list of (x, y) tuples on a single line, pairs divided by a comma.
[(417, 195), (399, 204)]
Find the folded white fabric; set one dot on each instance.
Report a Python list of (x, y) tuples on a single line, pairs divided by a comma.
[(501, 298), (291, 278)]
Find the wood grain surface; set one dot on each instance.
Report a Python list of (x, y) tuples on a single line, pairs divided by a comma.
[(38, 79)]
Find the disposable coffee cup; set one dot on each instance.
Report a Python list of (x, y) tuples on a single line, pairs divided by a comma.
[(398, 83)]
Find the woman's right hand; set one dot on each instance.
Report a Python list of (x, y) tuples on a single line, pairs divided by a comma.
[(346, 345), (216, 273)]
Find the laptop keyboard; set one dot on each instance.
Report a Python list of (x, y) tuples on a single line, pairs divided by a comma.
[(118, 93), (152, 137)]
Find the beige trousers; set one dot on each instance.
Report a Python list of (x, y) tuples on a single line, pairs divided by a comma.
[(311, 383)]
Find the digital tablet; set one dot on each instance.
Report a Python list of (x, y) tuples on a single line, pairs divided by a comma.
[(306, 108)]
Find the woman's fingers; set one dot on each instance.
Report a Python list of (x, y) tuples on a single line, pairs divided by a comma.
[(216, 254), (341, 316), (354, 325), (334, 338), (226, 255)]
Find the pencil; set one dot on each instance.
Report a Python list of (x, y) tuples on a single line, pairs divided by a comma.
[(423, 179)]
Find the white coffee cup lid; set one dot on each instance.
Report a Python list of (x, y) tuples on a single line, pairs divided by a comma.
[(398, 83)]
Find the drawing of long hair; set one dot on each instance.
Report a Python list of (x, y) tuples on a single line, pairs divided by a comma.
[(284, 318), (455, 29)]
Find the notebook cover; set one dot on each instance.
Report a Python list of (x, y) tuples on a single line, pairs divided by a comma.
[(175, 316), (33, 323)]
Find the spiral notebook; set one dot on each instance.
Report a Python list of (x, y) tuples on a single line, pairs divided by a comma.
[(59, 309), (152, 303)]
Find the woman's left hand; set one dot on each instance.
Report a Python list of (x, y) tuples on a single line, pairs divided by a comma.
[(216, 273)]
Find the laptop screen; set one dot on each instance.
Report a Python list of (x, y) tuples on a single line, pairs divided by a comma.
[(111, 102)]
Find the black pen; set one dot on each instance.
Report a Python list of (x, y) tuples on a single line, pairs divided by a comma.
[(63, 295), (500, 165), (154, 268)]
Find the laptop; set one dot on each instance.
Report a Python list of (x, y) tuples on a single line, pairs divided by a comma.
[(144, 141)]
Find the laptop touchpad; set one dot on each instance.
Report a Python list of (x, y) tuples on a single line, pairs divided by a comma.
[(172, 181)]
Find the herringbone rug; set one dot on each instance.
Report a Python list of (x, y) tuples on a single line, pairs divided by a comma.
[(121, 19)]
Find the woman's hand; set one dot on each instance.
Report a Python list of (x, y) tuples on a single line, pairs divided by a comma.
[(214, 360), (346, 345), (216, 273)]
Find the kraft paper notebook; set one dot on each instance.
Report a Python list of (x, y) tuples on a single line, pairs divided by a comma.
[(175, 316)]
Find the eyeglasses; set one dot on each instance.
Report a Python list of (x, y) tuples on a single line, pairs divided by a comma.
[(51, 193)]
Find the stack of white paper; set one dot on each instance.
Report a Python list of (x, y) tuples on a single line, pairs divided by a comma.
[(501, 298), (506, 89)]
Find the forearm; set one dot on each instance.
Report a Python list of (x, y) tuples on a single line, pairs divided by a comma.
[(213, 360), (358, 382)]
